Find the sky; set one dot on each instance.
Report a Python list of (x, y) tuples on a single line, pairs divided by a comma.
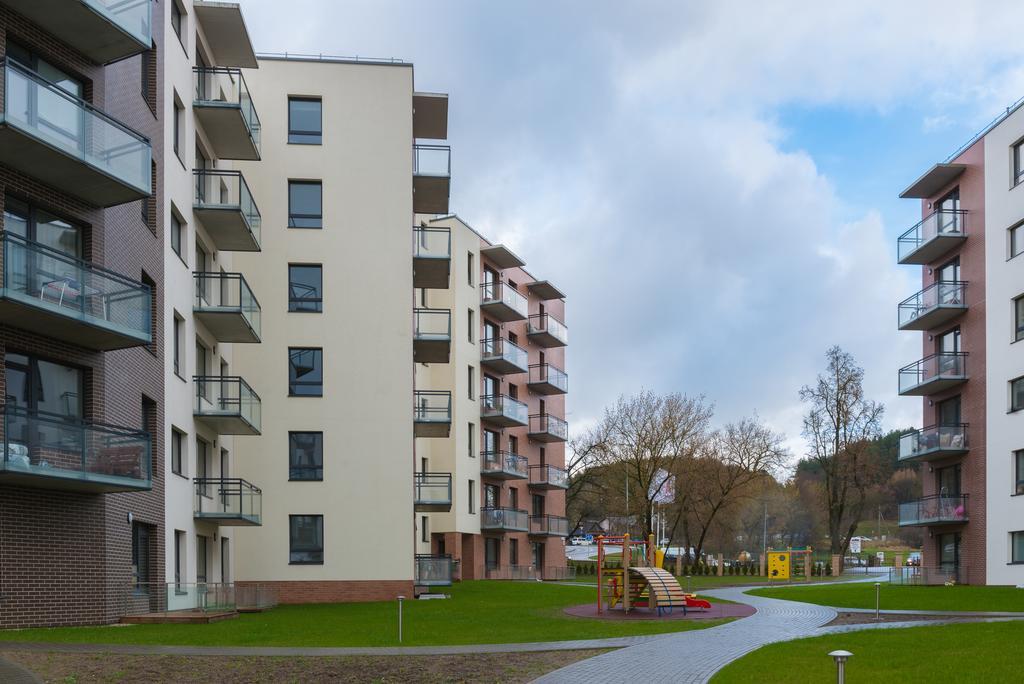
[(713, 185)]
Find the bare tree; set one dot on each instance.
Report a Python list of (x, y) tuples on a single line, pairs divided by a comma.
[(649, 435), (586, 486), (839, 427)]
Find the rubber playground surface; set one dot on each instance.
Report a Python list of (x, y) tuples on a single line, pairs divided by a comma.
[(717, 611)]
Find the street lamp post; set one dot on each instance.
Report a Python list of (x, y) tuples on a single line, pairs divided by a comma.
[(840, 657)]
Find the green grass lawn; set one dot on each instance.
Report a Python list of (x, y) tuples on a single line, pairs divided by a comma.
[(897, 597), (979, 652), (477, 613)]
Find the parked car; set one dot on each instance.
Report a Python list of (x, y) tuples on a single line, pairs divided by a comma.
[(914, 559)]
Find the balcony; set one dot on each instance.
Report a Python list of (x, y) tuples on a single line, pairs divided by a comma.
[(503, 357), (933, 374), (65, 142), (433, 570), (548, 477), (502, 303), (227, 404), (432, 335), (549, 526), (228, 501), (48, 451), (547, 379), (50, 293), (504, 519), (431, 178), (934, 510), (433, 492), (431, 257), (430, 115), (503, 410), (432, 413), (102, 30), (503, 465), (224, 28), (933, 443), (933, 306), (546, 428), (226, 306), (225, 206), (225, 110), (939, 233), (547, 331)]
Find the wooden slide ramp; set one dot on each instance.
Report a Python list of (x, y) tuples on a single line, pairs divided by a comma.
[(663, 588)]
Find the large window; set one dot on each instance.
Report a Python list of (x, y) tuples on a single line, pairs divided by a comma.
[(43, 386), (305, 204), (140, 558), (305, 539), (179, 125), (1018, 471), (1018, 163), (305, 372), (177, 232), (1018, 318), (176, 21), (1016, 240), (305, 287), (1017, 547), (305, 120), (179, 344), (1017, 394), (306, 456), (37, 225), (177, 451)]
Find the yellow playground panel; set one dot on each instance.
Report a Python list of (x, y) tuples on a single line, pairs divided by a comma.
[(789, 564), (778, 565)]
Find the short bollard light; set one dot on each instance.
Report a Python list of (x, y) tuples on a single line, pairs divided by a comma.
[(688, 584), (400, 599), (877, 587), (840, 657)]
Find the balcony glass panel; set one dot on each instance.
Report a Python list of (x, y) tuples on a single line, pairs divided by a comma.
[(433, 488), (225, 87), (946, 365), (432, 160), (499, 405), (132, 16), (934, 510), (553, 525), (493, 293), (504, 518), (228, 293), (433, 570), (50, 446), (548, 374), (227, 396), (939, 439), (228, 498), (433, 324), (504, 462), (500, 349), (548, 424), (47, 279), (942, 223), (53, 116), (217, 189), (943, 294), (432, 243), (433, 406), (540, 324), (549, 475)]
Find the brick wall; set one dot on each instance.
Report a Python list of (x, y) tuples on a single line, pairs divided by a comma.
[(337, 591)]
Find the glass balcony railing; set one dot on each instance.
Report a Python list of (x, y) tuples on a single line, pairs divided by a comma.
[(503, 464), (103, 30), (432, 324), (548, 428), (938, 441), (432, 243), (432, 413), (548, 379), (934, 510), (503, 302), (548, 477), (431, 178), (225, 88), (503, 355), (227, 403), (134, 17), (76, 147), (503, 409), (228, 501), (932, 237), (547, 331), (220, 296), (56, 452), (432, 160), (71, 299), (433, 570), (933, 373), (504, 519), (934, 305), (433, 491), (224, 204), (549, 525)]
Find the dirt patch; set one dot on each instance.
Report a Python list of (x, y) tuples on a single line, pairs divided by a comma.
[(79, 668), (869, 618), (718, 611)]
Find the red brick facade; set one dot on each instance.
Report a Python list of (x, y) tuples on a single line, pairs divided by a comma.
[(337, 591)]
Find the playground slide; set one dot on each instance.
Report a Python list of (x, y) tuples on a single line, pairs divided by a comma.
[(665, 590)]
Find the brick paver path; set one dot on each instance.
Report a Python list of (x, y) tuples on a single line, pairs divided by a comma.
[(15, 674)]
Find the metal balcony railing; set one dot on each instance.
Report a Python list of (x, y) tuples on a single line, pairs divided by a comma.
[(548, 476), (432, 324), (228, 500), (504, 519), (432, 243), (432, 406), (552, 377), (550, 525), (503, 463), (225, 87), (934, 510), (433, 570), (227, 293), (503, 354), (501, 298), (227, 397), (547, 425), (551, 331), (944, 223), (937, 440), (433, 490), (921, 310), (938, 371), (225, 191), (432, 160), (503, 409)]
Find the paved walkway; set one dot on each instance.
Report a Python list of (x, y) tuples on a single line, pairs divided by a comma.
[(15, 674)]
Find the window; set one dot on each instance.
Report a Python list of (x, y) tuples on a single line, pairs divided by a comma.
[(471, 383), (305, 372), (176, 22), (306, 456), (177, 235), (34, 224), (513, 552), (41, 386), (472, 496), (305, 120), (1018, 469), (305, 288), (1017, 394), (179, 559), (513, 444), (179, 340), (1018, 163), (424, 528), (469, 325), (148, 78), (203, 467), (179, 122), (469, 268), (1016, 240), (306, 539), (1018, 318), (140, 558), (470, 439), (305, 204), (1017, 547), (177, 450), (202, 559)]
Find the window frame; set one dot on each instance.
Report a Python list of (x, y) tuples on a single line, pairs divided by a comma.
[(319, 134), (314, 549), (180, 440), (1018, 472), (1018, 317), (1015, 408), (292, 384), (317, 470), (1017, 163), (1013, 243), (318, 301), (1013, 559), (292, 216)]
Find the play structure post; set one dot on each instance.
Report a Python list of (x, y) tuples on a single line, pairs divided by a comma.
[(807, 564), (679, 565), (721, 565), (837, 569), (600, 577), (651, 554), (625, 572), (760, 566)]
